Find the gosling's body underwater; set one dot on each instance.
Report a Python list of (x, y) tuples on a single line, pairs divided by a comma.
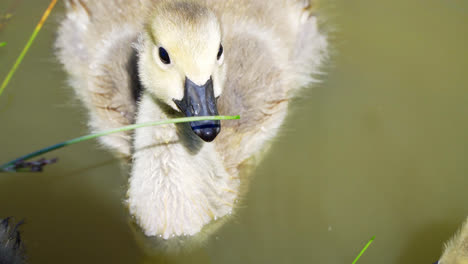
[(136, 61)]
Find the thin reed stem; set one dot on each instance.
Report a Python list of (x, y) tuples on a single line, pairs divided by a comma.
[(363, 250), (11, 165), (28, 45)]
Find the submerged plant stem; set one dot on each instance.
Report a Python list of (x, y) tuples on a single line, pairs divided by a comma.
[(28, 45), (363, 250), (9, 166)]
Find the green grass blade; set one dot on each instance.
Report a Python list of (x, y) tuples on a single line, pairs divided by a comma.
[(364, 249), (26, 48), (8, 167)]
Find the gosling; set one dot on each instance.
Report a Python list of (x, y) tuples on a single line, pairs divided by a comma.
[(456, 250), (133, 61)]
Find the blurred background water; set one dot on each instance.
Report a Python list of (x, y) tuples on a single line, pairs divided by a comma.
[(379, 148)]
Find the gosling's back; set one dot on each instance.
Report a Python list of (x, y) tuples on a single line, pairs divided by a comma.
[(273, 48)]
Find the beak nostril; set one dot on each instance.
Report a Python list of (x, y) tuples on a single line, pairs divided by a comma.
[(212, 107)]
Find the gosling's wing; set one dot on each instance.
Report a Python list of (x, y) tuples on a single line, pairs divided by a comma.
[(268, 59), (95, 45), (310, 49)]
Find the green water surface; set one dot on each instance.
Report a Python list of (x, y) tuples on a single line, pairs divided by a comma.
[(379, 148)]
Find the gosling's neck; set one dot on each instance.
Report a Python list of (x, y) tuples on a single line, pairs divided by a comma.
[(178, 183)]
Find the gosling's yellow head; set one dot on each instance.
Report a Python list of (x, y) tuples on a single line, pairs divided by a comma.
[(181, 61)]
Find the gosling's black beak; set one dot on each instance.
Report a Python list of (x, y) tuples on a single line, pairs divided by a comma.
[(200, 101)]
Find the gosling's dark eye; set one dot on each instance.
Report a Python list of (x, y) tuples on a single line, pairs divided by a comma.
[(220, 51), (164, 56)]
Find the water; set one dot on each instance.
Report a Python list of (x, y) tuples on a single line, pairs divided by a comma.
[(379, 148)]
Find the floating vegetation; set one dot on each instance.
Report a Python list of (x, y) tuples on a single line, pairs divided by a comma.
[(28, 45), (32, 166), (20, 164), (2, 44)]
